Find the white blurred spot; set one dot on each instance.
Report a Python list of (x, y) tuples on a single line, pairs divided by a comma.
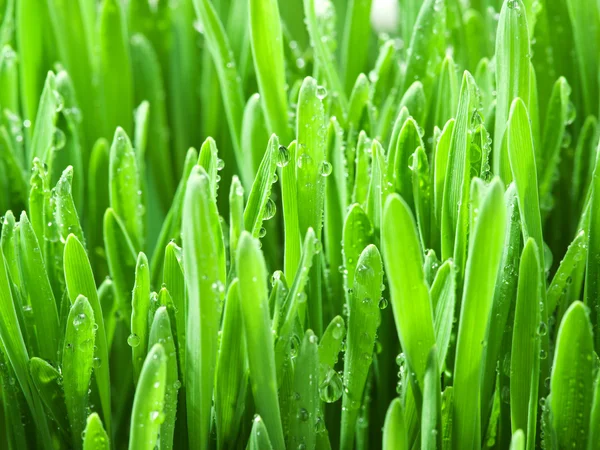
[(385, 16)]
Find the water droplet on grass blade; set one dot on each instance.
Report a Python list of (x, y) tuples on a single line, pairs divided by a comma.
[(283, 156), (270, 209), (331, 388), (133, 340)]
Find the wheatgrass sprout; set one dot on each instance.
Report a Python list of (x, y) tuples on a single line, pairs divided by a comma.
[(299, 224)]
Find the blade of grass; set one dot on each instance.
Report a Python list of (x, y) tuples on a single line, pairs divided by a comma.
[(205, 280), (147, 413), (571, 381), (77, 364), (363, 320), (259, 342), (485, 251)]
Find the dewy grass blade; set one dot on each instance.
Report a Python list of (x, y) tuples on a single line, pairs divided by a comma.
[(411, 304), (572, 382), (485, 251), (205, 279), (147, 413), (43, 131), (357, 234), (525, 354), (254, 136), (47, 381), (592, 272), (259, 341), (125, 188), (160, 333), (574, 257), (80, 281), (512, 76), (232, 371), (425, 48), (505, 293), (77, 364), (363, 320), (258, 199), (457, 184), (267, 49), (443, 299), (140, 316), (304, 412), (431, 437), (259, 436), (41, 298), (95, 437), (323, 54)]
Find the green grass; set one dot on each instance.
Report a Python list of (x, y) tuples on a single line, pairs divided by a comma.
[(301, 224)]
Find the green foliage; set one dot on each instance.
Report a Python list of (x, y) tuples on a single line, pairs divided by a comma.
[(302, 224)]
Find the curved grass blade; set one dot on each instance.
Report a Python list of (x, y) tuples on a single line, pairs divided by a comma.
[(363, 321), (160, 333), (574, 257), (80, 281), (205, 279), (236, 220), (422, 194), (77, 364), (258, 199), (140, 316), (148, 404), (330, 382), (525, 354), (232, 371), (65, 212), (95, 437), (259, 341), (411, 304), (47, 381), (485, 251), (571, 382)]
